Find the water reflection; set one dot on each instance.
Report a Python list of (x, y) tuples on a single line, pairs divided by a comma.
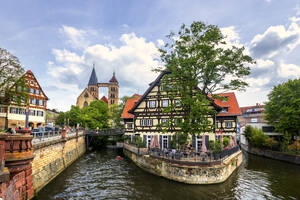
[(99, 175)]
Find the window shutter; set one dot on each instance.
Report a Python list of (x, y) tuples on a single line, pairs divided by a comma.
[(145, 140), (160, 141), (193, 141), (207, 141)]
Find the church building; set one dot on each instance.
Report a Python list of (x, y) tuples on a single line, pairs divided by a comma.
[(91, 93)]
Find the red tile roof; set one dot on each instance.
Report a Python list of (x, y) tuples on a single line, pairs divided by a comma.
[(104, 99), (129, 105), (232, 104)]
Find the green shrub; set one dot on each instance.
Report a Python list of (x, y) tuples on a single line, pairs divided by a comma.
[(226, 141), (211, 145), (270, 143), (295, 147), (257, 138), (218, 146), (248, 131)]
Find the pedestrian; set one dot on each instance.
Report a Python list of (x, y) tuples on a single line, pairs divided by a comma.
[(173, 153)]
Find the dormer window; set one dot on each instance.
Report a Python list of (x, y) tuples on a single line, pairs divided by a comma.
[(225, 100), (224, 110)]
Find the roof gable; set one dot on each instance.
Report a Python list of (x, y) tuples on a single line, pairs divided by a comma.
[(29, 72), (129, 105)]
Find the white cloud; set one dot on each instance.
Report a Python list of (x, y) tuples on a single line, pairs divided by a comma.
[(133, 61), (288, 70), (77, 38), (160, 43), (276, 39), (294, 19)]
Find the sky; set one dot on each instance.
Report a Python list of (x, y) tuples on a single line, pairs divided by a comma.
[(60, 40)]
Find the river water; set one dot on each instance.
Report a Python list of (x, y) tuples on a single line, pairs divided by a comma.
[(99, 175)]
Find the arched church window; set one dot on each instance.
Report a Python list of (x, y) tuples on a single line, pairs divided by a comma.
[(86, 95), (85, 104)]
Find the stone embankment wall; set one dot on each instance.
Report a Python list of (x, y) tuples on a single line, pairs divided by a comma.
[(272, 154), (52, 157), (187, 173)]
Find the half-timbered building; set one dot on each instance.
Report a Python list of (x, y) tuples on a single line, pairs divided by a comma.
[(13, 115), (148, 115)]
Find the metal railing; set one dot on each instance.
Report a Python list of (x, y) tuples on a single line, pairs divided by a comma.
[(45, 136), (195, 157)]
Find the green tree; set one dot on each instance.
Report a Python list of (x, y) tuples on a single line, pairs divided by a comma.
[(61, 119), (199, 63), (12, 83), (283, 108), (74, 116), (95, 115)]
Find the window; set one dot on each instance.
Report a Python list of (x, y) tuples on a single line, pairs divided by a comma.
[(148, 140), (41, 102), (13, 110), (38, 92), (32, 112), (112, 96), (146, 122), (165, 103), (164, 122), (178, 121), (85, 104), (31, 90), (129, 126), (198, 143), (26, 81), (177, 103), (152, 104), (86, 95), (224, 110), (113, 89), (32, 101), (37, 102), (40, 113), (2, 110), (31, 82), (225, 100), (112, 101), (165, 141), (22, 111), (228, 124)]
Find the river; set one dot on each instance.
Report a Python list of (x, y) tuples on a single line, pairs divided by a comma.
[(99, 175)]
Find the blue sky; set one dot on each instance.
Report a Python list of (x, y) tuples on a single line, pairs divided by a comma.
[(59, 40)]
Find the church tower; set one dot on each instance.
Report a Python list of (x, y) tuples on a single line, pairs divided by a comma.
[(93, 84), (113, 91)]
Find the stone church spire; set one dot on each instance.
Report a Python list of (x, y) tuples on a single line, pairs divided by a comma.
[(93, 78)]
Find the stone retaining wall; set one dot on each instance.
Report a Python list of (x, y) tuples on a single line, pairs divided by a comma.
[(186, 173), (272, 154), (51, 158)]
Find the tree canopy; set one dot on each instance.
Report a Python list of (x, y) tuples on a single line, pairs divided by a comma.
[(283, 108), (12, 84), (93, 116), (200, 63)]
